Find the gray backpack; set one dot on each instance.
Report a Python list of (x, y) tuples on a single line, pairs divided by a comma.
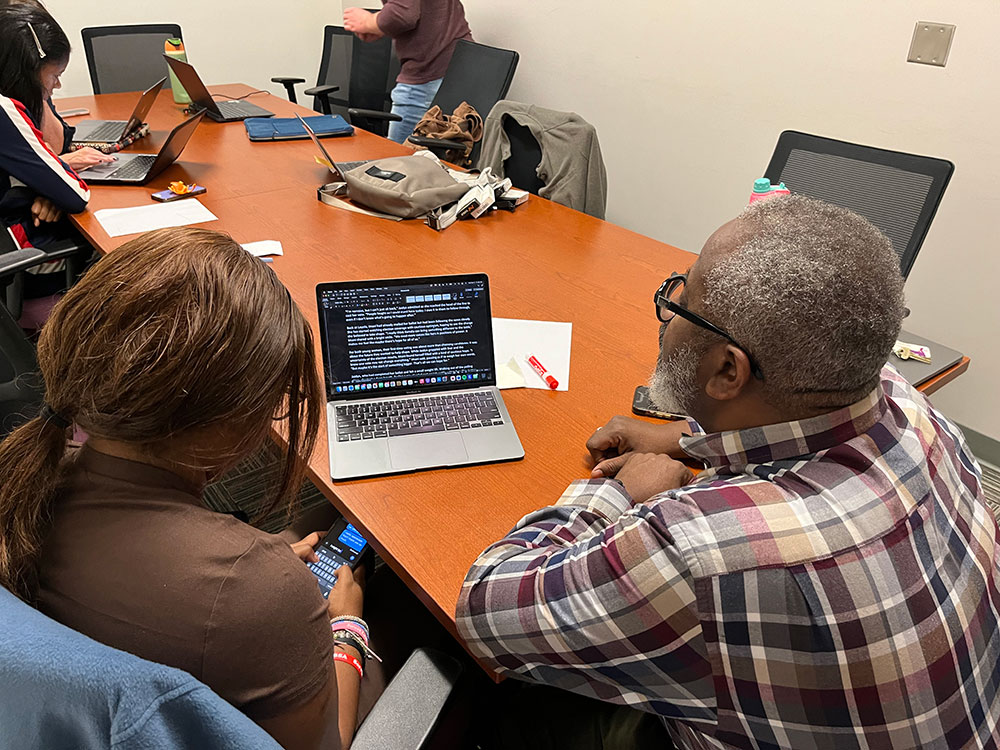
[(401, 186)]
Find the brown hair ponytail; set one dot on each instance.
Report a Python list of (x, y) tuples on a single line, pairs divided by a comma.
[(177, 334), (29, 465)]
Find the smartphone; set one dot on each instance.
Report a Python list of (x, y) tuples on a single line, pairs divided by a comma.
[(342, 545), (643, 405), (165, 196)]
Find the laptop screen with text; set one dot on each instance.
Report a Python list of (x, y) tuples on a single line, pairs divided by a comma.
[(406, 335)]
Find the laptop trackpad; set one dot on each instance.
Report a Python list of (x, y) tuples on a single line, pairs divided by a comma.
[(427, 450)]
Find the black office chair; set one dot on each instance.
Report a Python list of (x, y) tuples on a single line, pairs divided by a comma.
[(477, 74), (362, 73), (898, 193), (20, 385), (525, 155), (127, 58)]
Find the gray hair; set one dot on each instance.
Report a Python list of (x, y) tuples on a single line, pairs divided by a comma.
[(814, 293)]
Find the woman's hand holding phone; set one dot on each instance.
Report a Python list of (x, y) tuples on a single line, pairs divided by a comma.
[(346, 597)]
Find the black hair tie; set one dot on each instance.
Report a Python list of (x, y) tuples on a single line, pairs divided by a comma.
[(48, 414)]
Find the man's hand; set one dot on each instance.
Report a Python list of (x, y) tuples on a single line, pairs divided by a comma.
[(646, 475), (304, 547), (373, 37), (624, 435), (45, 210), (86, 157), (346, 597), (360, 21)]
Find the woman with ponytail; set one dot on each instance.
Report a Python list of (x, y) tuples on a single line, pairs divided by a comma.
[(175, 355)]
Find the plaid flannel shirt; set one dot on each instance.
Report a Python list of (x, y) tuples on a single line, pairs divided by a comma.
[(825, 583)]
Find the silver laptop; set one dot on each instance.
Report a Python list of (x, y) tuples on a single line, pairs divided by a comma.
[(138, 169), (410, 377), (221, 111), (112, 131), (341, 167)]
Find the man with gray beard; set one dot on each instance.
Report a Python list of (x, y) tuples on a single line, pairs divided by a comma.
[(828, 580)]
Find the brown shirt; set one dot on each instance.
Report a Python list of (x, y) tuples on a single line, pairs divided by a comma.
[(134, 560), (425, 33)]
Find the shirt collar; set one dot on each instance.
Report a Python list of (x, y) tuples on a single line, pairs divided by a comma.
[(776, 442), (135, 472)]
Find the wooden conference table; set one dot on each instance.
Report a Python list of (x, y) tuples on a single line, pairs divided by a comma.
[(545, 262)]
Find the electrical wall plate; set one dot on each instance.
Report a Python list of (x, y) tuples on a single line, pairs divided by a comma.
[(931, 43)]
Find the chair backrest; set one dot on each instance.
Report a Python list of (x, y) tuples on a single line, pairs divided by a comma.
[(525, 155), (20, 384), (364, 71), (477, 74), (62, 689), (897, 192), (127, 58)]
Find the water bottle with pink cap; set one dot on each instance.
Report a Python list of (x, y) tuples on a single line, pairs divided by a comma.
[(762, 188)]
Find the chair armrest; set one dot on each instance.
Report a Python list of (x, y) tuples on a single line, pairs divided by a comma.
[(408, 710), (21, 260), (373, 114), (435, 143), (289, 84), (321, 90), (323, 94)]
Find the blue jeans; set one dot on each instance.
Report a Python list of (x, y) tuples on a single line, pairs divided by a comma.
[(410, 101)]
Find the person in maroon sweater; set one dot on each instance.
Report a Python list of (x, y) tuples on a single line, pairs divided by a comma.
[(425, 33)]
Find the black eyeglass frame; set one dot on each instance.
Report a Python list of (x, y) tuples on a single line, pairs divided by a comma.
[(663, 301)]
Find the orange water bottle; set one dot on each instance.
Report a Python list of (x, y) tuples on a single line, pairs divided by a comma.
[(762, 188), (175, 48)]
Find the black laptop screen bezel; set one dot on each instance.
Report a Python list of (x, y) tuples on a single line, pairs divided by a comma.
[(414, 389)]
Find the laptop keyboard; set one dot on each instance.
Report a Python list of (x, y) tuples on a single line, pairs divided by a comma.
[(450, 411), (110, 131), (135, 169), (234, 109)]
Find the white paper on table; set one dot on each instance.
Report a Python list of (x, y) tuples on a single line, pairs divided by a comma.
[(263, 247), (119, 221), (548, 340)]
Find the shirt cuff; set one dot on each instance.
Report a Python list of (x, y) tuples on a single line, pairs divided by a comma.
[(604, 497)]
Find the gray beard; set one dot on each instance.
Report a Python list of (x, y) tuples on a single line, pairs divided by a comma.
[(672, 386)]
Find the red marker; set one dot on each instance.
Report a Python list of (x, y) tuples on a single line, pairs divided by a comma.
[(550, 381)]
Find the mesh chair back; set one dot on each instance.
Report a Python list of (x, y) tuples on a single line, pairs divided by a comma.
[(898, 193), (127, 58), (21, 387), (477, 74), (364, 71)]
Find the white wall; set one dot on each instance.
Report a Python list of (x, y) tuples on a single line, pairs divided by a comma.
[(689, 97), (228, 40)]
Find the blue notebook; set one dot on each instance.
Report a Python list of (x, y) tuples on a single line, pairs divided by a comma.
[(290, 129)]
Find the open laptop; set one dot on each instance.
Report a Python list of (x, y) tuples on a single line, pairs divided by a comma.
[(410, 377), (341, 167), (220, 111), (138, 169), (112, 131)]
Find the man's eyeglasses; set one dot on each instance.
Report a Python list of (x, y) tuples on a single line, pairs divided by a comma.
[(667, 306)]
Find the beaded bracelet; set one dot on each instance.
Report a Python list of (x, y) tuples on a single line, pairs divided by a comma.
[(351, 618), (352, 627), (348, 659)]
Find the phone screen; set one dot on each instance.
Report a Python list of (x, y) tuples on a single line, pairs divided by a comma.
[(342, 545)]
